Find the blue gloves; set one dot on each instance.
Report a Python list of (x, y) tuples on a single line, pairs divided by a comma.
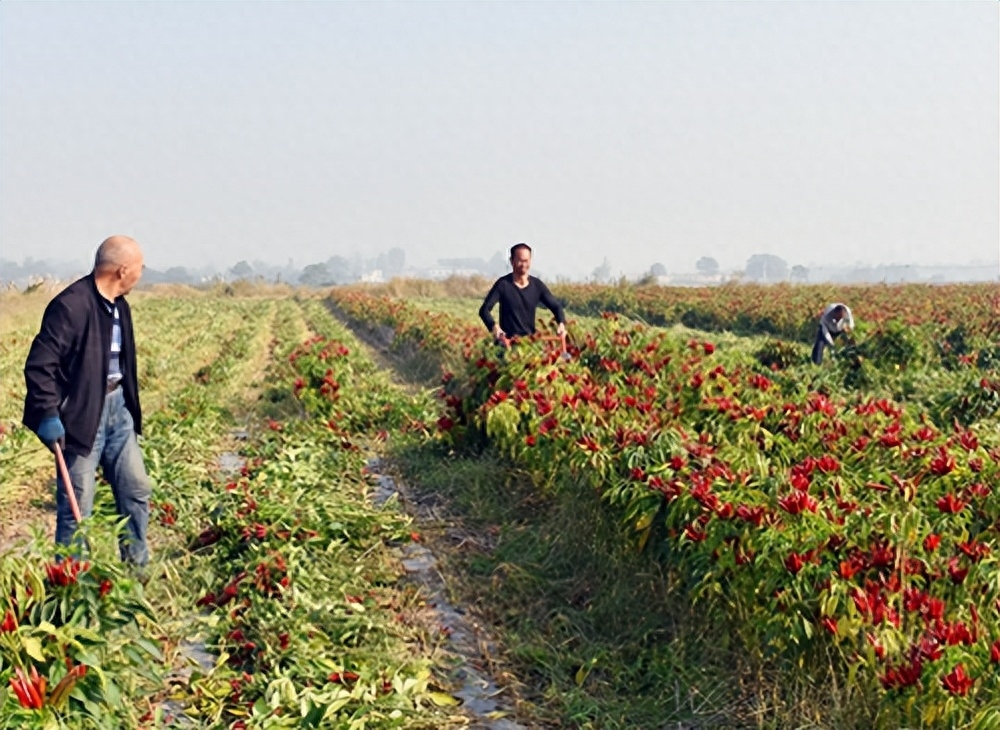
[(50, 431)]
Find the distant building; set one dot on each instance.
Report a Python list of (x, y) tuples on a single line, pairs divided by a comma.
[(373, 277)]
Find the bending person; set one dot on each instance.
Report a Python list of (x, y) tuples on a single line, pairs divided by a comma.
[(835, 320)]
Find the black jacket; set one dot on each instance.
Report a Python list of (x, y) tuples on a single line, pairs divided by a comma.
[(67, 366)]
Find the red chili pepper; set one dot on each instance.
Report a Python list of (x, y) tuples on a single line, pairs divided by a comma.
[(38, 685), (30, 693), (342, 677), (9, 622), (22, 694)]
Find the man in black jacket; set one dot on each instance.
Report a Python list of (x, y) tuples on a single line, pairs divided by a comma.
[(83, 393), (519, 296)]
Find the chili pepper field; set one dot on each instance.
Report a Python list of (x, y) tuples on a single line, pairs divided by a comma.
[(814, 546)]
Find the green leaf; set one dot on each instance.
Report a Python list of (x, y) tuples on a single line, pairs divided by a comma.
[(645, 520), (150, 647), (112, 694), (988, 719), (644, 539), (33, 647), (443, 700), (314, 716)]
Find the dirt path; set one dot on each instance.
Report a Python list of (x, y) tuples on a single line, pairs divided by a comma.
[(377, 342), (473, 677), (29, 503), (479, 681)]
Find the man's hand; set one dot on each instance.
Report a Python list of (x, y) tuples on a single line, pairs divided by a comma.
[(498, 334), (50, 432), (561, 329)]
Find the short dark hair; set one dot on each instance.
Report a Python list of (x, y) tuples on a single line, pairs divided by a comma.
[(516, 246)]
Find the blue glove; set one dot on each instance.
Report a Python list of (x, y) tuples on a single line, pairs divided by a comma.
[(50, 431)]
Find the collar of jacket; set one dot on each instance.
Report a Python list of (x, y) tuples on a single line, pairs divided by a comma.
[(92, 278)]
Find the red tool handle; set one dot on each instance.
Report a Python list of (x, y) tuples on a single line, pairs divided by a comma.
[(67, 482)]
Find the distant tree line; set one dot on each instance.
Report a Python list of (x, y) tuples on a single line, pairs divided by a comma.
[(759, 268)]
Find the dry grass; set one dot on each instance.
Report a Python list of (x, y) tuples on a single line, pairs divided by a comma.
[(243, 289), (24, 309), (12, 299), (170, 291), (453, 286)]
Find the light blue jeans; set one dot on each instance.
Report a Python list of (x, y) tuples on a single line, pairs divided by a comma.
[(117, 452)]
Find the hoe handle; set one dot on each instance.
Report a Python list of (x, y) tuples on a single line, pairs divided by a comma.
[(67, 483)]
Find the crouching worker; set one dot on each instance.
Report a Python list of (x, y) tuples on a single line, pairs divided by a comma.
[(83, 393), (835, 320)]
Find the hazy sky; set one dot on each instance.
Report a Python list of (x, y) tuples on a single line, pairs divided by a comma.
[(821, 132)]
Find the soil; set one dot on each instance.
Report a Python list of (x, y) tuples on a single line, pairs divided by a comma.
[(26, 509)]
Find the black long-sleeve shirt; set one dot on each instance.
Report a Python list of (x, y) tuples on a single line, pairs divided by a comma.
[(517, 305)]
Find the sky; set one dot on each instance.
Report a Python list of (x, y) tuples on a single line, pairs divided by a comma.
[(825, 133)]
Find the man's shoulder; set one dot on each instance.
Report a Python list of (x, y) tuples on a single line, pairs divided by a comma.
[(73, 298), (505, 279), (80, 287), (69, 292)]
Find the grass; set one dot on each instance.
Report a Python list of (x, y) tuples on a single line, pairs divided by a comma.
[(598, 635), (23, 310), (595, 634), (27, 485)]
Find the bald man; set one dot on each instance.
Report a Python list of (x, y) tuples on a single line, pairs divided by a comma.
[(83, 393)]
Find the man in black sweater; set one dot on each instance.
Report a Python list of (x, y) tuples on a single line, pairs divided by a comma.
[(83, 393), (519, 296)]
